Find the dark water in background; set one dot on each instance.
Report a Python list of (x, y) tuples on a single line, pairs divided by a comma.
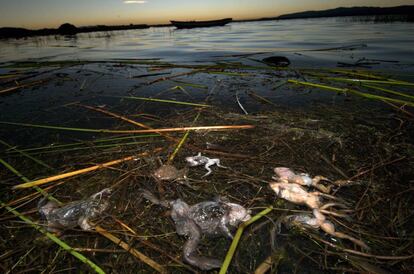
[(300, 40)]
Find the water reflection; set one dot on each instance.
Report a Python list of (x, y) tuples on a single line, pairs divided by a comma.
[(292, 37)]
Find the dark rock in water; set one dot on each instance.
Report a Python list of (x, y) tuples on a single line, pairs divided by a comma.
[(279, 61), (67, 29)]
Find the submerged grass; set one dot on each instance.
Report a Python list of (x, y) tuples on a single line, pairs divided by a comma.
[(79, 145), (165, 101), (359, 93)]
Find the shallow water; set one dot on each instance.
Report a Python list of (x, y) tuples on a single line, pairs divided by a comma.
[(303, 41)]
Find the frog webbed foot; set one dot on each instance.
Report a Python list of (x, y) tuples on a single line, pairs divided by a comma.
[(204, 263), (217, 161), (193, 233), (316, 183)]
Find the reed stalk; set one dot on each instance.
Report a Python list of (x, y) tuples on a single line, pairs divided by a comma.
[(389, 91), (361, 81), (105, 140), (210, 128), (78, 172), (190, 84), (165, 101), (182, 141), (27, 155), (345, 90), (131, 250), (236, 239), (115, 115), (6, 90), (25, 179)]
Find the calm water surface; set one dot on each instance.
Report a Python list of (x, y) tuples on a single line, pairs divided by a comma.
[(303, 41)]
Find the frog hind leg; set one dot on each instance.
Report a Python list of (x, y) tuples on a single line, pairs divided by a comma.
[(217, 161), (207, 166), (190, 247)]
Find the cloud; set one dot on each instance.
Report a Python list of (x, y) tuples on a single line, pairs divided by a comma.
[(134, 2)]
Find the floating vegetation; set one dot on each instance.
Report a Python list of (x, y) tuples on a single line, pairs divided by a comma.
[(353, 126)]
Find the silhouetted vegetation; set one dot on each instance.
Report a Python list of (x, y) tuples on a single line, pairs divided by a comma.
[(64, 29), (67, 29)]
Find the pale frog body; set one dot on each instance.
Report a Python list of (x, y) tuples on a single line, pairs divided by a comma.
[(199, 160)]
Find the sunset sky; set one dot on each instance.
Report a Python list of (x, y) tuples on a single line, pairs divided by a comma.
[(52, 13)]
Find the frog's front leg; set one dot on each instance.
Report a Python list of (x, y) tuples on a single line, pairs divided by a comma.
[(83, 222), (54, 229), (224, 228)]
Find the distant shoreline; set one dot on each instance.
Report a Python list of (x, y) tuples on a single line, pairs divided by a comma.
[(389, 13)]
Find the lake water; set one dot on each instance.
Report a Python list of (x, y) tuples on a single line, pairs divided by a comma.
[(305, 42)]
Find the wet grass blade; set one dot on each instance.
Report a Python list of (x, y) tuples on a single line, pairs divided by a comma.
[(25, 179), (59, 128), (260, 98), (362, 81), (6, 90), (27, 155), (389, 91), (358, 73), (229, 73), (78, 172), (182, 141), (94, 147), (131, 250), (344, 90), (236, 239), (50, 148), (211, 128), (165, 101), (115, 115), (7, 76), (190, 84)]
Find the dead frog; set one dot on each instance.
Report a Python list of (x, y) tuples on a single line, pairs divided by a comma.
[(209, 218), (77, 213), (296, 194), (288, 176), (318, 220), (289, 186), (170, 173), (199, 160)]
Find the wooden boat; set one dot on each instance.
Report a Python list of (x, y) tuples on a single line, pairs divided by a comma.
[(200, 24)]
